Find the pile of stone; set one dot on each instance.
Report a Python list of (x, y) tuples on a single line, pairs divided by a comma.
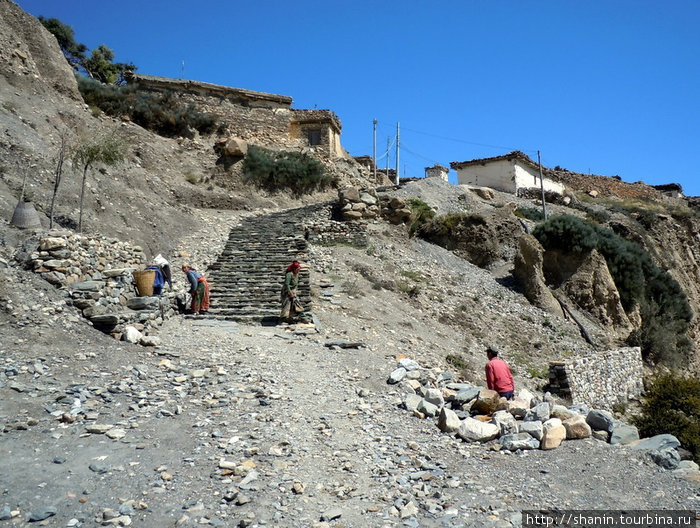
[(358, 204), (96, 274), (477, 414), (395, 209), (322, 229)]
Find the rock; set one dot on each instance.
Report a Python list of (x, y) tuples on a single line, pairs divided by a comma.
[(232, 146), (561, 412), (110, 319), (5, 513), (534, 429), (526, 396), (554, 433), (485, 193), (487, 402), (528, 270), (518, 407), (576, 428), (505, 422), (515, 441), (39, 514), (603, 436), (329, 515), (427, 408), (90, 286), (466, 395), (150, 340), (408, 510), (448, 421), (144, 303), (397, 375), (52, 243), (408, 364), (667, 458), (624, 434), (131, 335), (600, 420), (411, 402), (476, 431), (434, 396), (592, 288), (539, 412), (658, 442)]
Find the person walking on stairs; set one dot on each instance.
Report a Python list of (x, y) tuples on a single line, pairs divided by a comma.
[(290, 304), (199, 290)]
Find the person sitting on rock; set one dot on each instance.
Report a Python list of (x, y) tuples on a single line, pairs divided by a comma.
[(199, 290), (498, 375), (290, 305)]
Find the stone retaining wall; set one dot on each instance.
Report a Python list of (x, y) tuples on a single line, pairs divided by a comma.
[(323, 229), (96, 274), (602, 380)]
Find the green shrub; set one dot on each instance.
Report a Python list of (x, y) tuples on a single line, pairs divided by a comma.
[(663, 305), (296, 171), (421, 214), (672, 405), (162, 113), (529, 213)]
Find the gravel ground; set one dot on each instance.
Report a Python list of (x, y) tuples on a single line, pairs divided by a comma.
[(228, 424)]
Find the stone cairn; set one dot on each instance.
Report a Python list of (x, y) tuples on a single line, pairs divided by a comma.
[(477, 414), (96, 274)]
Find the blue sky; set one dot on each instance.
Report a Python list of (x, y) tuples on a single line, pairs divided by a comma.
[(607, 87)]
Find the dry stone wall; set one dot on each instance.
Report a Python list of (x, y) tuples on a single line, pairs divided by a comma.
[(602, 380), (96, 274)]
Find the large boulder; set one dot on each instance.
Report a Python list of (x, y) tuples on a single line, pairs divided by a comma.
[(600, 420), (592, 288), (505, 422), (487, 402), (516, 441), (576, 427), (448, 421), (477, 431), (554, 433), (529, 272), (624, 434), (232, 147)]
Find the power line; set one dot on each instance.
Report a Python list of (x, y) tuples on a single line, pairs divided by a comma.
[(468, 142)]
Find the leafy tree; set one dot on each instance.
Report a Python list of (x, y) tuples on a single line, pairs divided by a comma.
[(107, 150), (72, 50), (99, 65)]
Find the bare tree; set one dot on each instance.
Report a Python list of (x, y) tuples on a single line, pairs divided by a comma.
[(57, 176)]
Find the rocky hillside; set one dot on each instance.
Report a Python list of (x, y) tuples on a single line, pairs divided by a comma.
[(244, 425)]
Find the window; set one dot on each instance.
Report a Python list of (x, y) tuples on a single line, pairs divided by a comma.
[(314, 137)]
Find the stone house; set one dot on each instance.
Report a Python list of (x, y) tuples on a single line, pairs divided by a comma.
[(257, 117), (437, 171), (511, 172)]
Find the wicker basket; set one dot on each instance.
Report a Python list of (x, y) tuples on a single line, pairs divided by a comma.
[(144, 280), (25, 216)]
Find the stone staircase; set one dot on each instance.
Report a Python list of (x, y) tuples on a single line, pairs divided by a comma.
[(246, 280)]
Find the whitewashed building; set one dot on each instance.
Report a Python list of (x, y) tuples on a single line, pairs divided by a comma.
[(508, 173)]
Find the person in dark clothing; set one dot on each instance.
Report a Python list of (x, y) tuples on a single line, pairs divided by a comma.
[(290, 305), (199, 290)]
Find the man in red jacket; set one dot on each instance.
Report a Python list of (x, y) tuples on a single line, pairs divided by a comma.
[(498, 376)]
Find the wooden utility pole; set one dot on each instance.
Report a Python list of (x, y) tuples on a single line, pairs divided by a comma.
[(388, 146), (398, 142), (374, 151), (544, 207)]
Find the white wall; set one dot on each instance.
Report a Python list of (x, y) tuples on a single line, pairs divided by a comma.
[(527, 177), (506, 176), (499, 175)]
